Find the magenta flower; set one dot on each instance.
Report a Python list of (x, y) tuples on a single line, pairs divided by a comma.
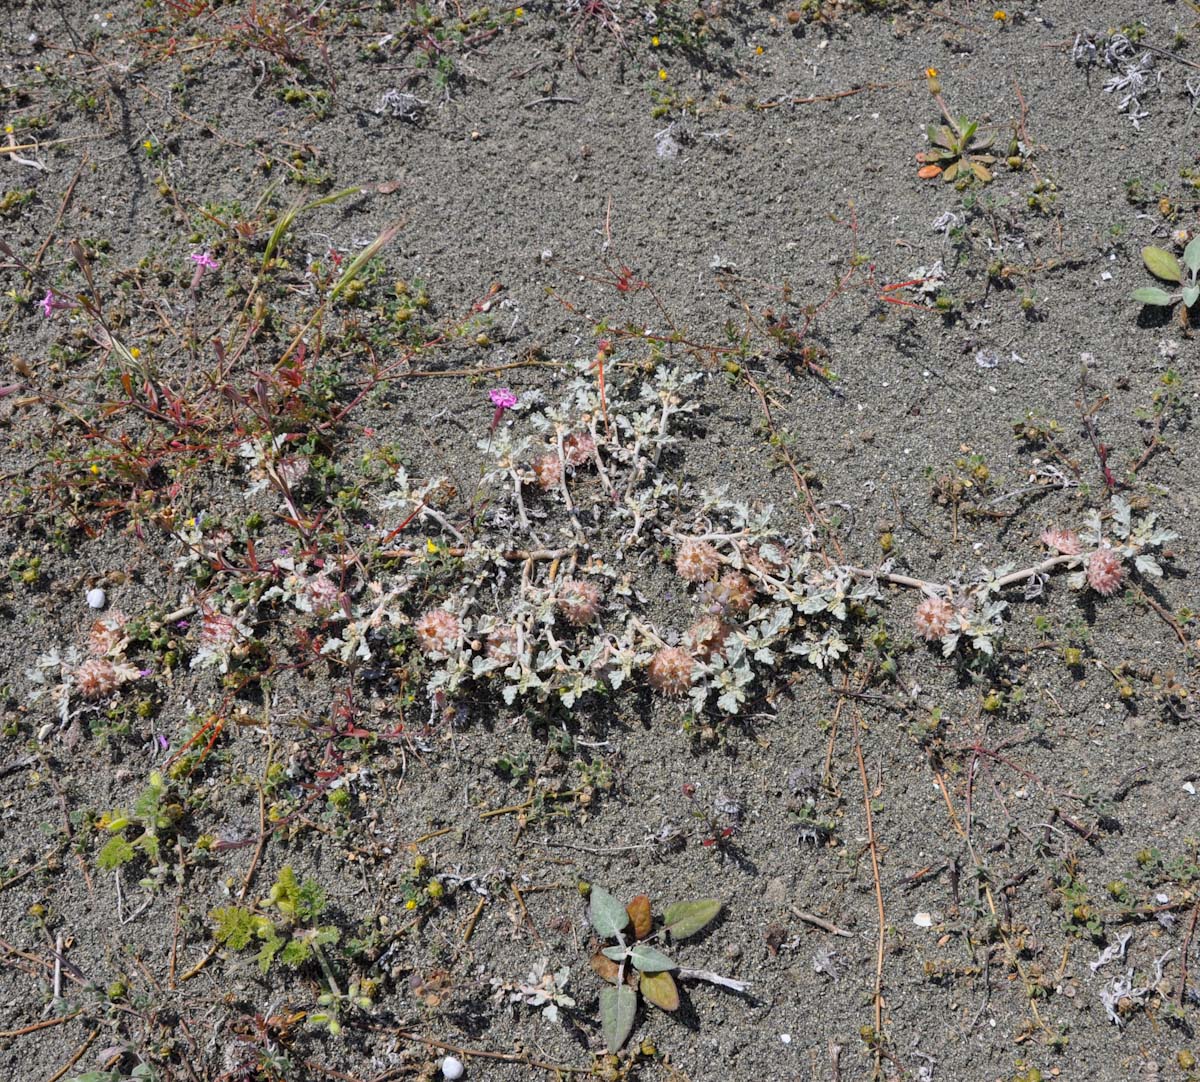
[(503, 399), (50, 303), (204, 261)]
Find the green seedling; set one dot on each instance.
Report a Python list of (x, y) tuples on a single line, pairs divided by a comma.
[(632, 966), (292, 936), (955, 152), (1163, 264)]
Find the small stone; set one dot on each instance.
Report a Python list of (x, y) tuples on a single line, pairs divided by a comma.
[(452, 1068), (96, 598)]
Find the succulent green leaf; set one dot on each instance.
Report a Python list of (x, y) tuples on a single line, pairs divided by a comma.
[(687, 918), (618, 1006), (1161, 263), (1191, 256), (951, 171), (1152, 295), (608, 916), (660, 989), (967, 129), (648, 960), (1190, 295)]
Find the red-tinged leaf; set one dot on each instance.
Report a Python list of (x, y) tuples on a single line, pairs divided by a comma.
[(928, 172), (639, 914), (606, 969), (661, 990)]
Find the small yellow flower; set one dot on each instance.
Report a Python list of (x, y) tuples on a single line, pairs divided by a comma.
[(9, 129), (95, 470), (411, 904), (662, 74), (147, 144), (430, 545), (519, 13), (135, 353), (932, 73), (758, 50), (654, 41), (1000, 15)]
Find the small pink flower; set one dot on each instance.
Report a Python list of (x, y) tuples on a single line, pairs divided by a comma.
[(503, 399), (204, 261), (50, 304), (1104, 571)]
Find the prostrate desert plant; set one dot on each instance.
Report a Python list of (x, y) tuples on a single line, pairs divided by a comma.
[(633, 966), (1163, 264), (973, 610)]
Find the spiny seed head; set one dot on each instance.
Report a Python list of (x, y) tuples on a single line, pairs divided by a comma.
[(1104, 571), (96, 678), (107, 633), (578, 448), (548, 470), (579, 601), (933, 618), (438, 632), (707, 637), (732, 593), (697, 561), (502, 644), (768, 559), (670, 672), (1064, 542)]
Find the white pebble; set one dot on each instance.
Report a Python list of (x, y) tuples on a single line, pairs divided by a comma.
[(96, 598), (452, 1068)]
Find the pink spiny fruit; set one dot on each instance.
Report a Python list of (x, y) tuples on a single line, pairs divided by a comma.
[(502, 644), (1104, 571), (438, 632), (1065, 542), (579, 601), (707, 637), (697, 561), (107, 634), (731, 593), (322, 595), (933, 618), (548, 471), (759, 561), (578, 448), (97, 677), (670, 672)]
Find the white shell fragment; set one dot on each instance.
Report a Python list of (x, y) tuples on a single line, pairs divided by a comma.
[(452, 1068), (96, 598), (923, 920)]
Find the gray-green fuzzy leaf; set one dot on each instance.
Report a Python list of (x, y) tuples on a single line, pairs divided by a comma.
[(1152, 295), (607, 915), (648, 960), (1191, 256), (618, 1007)]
